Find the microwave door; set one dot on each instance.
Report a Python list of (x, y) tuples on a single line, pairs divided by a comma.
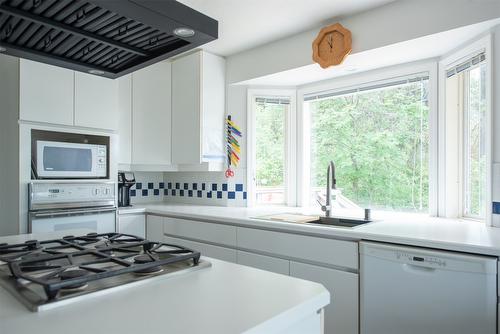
[(66, 160)]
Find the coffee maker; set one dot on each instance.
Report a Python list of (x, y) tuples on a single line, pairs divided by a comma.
[(125, 181)]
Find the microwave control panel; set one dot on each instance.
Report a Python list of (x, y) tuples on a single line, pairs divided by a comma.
[(102, 158)]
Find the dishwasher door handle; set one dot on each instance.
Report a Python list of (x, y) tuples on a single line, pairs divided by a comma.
[(418, 269)]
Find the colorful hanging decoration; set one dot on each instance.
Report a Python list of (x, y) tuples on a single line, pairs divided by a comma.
[(232, 146)]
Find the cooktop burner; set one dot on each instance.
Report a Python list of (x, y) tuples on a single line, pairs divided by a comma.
[(44, 272)]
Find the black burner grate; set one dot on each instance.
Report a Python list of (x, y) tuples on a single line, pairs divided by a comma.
[(72, 262)]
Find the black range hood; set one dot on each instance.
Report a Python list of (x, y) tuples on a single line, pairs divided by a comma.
[(109, 38)]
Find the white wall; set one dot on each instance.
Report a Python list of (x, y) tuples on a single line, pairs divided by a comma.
[(9, 145), (396, 22)]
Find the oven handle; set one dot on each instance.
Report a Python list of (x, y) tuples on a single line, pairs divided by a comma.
[(71, 212)]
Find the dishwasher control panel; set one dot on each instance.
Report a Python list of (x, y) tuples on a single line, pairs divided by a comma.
[(421, 259)]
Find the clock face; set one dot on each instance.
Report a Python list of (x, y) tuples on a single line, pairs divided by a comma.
[(332, 45)]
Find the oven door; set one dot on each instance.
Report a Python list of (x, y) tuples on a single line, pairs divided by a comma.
[(70, 160), (100, 220)]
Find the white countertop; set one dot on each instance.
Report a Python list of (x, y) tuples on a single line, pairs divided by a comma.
[(408, 229), (225, 298)]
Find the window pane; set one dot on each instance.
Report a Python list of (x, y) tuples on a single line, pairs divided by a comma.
[(270, 118), (379, 141), (474, 143)]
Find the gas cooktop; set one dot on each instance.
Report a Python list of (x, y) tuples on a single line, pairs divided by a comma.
[(45, 274)]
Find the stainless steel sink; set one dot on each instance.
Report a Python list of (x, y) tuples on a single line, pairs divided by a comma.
[(340, 221)]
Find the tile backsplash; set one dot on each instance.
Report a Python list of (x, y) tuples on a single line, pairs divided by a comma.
[(204, 188), (148, 187)]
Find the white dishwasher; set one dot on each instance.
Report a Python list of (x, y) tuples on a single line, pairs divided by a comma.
[(411, 290)]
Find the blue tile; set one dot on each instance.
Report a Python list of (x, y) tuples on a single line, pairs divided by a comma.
[(195, 186), (177, 185), (150, 185), (186, 186), (231, 195), (156, 192), (244, 195), (219, 194), (209, 194), (173, 192), (496, 208), (165, 192), (239, 187), (170, 185), (144, 192), (199, 193), (203, 186), (214, 186), (190, 193), (162, 185), (224, 187), (132, 193), (138, 185), (181, 192)]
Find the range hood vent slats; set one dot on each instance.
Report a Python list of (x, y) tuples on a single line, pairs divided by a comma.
[(112, 36)]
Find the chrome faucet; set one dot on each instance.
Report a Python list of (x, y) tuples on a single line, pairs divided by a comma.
[(331, 183)]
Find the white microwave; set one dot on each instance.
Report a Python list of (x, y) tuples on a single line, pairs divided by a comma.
[(57, 155)]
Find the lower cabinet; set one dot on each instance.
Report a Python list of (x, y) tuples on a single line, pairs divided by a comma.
[(154, 228), (341, 316), (134, 224), (217, 252), (275, 265), (225, 242)]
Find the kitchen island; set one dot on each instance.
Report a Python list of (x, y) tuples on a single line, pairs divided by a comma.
[(224, 298)]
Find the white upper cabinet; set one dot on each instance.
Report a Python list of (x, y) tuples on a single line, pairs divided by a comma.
[(125, 119), (46, 93), (198, 100), (96, 102), (186, 113), (152, 115)]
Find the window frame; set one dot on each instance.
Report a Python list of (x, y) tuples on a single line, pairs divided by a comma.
[(451, 198), (290, 143), (358, 80)]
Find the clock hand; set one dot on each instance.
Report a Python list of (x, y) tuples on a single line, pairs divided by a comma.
[(330, 42)]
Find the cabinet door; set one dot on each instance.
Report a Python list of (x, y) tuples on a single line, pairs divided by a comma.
[(125, 119), (263, 262), (213, 110), (195, 230), (341, 316), (154, 228), (132, 224), (96, 101), (46, 93), (186, 109), (217, 252), (151, 115)]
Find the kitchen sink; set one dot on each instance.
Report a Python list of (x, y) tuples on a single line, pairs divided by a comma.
[(315, 220), (340, 221)]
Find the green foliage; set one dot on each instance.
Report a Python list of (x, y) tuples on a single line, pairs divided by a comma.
[(379, 141), (270, 144)]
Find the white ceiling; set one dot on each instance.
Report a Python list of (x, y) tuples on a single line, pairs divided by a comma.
[(413, 50), (244, 24)]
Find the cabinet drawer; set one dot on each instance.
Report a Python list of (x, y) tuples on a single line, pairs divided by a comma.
[(217, 252), (335, 252), (341, 316), (263, 262), (216, 233)]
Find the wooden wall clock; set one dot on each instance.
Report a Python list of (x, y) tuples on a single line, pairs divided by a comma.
[(332, 45)]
